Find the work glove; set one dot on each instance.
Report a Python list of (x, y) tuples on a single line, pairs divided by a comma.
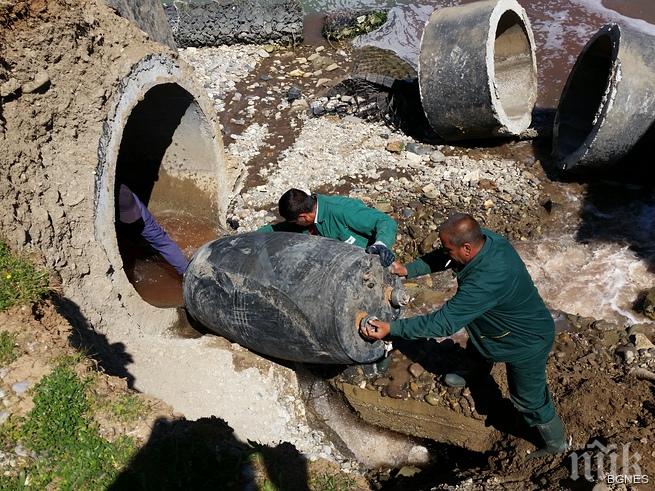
[(386, 256)]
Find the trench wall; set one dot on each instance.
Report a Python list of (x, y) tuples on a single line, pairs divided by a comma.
[(148, 15)]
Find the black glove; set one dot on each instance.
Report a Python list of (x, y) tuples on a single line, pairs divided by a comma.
[(386, 256)]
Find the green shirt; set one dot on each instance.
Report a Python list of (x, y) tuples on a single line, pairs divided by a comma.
[(496, 301), (348, 220)]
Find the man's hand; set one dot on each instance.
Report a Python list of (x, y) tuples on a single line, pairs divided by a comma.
[(375, 329), (398, 269), (386, 256)]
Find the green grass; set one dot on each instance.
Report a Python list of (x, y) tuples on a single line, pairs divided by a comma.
[(71, 452), (332, 482), (20, 281), (8, 348), (128, 407)]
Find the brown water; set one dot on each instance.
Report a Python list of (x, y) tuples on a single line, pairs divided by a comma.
[(154, 279)]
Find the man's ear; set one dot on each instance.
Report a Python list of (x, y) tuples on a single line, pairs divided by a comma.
[(467, 248)]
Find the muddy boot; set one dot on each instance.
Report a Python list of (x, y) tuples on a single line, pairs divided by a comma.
[(554, 437)]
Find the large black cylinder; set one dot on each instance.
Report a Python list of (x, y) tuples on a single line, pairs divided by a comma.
[(290, 296)]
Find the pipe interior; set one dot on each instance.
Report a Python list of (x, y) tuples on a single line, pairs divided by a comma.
[(168, 158), (583, 99), (515, 78)]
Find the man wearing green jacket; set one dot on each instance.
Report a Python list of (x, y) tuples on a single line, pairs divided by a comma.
[(498, 304), (345, 219)]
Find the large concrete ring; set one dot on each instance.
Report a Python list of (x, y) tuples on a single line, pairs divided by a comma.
[(478, 70), (157, 111), (608, 102)]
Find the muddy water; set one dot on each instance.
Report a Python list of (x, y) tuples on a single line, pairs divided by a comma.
[(155, 280)]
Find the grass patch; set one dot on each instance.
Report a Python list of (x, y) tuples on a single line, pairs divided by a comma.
[(128, 407), (332, 482), (8, 351), (71, 452), (345, 26), (20, 281)]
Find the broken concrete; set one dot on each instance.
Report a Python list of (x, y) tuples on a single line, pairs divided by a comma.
[(609, 99), (478, 71)]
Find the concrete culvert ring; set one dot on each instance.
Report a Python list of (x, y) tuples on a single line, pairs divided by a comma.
[(478, 70), (608, 101), (161, 139)]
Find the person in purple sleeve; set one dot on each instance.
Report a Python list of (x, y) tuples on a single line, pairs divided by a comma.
[(136, 217)]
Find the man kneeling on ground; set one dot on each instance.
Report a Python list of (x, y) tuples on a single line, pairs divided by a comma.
[(502, 311)]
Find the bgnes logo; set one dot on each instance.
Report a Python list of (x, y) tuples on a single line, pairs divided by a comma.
[(603, 461)]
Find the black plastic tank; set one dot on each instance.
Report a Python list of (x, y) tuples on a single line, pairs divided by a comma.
[(291, 296)]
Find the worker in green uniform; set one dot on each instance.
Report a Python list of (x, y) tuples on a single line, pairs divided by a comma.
[(346, 219), (498, 304)]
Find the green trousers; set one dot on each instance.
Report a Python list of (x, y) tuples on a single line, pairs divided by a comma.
[(528, 388)]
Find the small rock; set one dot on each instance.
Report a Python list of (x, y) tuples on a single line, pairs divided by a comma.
[(20, 387), (4, 416), (416, 369), (264, 77), (395, 146), (408, 471), (430, 191), (293, 93), (299, 105), (317, 109), (394, 392), (427, 244), (384, 206), (319, 49), (381, 382), (346, 98), (407, 212), (641, 342), (322, 81), (489, 204), (269, 48), (263, 53), (302, 60), (331, 67), (431, 399), (313, 56), (10, 87), (413, 387), (418, 148), (437, 157), (40, 81), (296, 73), (487, 184)]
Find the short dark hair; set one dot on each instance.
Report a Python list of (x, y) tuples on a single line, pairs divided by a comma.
[(462, 228), (293, 203)]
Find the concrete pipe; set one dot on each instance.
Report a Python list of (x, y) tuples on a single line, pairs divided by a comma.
[(161, 139), (90, 97), (478, 70), (608, 102)]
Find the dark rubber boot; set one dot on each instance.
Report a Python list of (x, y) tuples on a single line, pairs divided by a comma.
[(554, 437)]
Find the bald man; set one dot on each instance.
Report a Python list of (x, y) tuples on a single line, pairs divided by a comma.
[(500, 308)]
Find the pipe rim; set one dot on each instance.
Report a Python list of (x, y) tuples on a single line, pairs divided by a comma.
[(142, 77), (502, 8), (571, 159)]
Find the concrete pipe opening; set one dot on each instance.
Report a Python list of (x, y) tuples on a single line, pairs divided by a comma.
[(608, 101), (163, 143), (477, 70)]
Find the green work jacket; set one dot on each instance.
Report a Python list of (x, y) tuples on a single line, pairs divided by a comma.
[(496, 301), (348, 220)]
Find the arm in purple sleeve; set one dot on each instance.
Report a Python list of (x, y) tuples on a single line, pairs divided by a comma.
[(160, 241)]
